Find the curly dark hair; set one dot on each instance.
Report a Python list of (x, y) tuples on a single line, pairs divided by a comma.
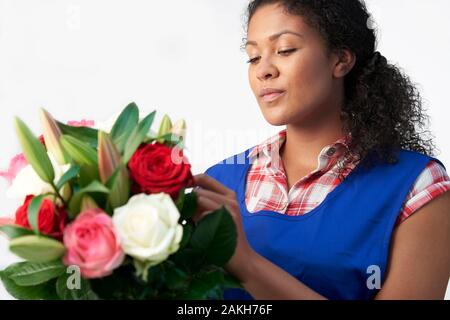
[(383, 110)]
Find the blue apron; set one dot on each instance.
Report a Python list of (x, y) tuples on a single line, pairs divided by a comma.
[(337, 246)]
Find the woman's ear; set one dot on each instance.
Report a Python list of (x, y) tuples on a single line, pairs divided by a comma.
[(344, 63)]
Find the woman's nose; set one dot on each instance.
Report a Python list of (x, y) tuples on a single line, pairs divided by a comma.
[(267, 71)]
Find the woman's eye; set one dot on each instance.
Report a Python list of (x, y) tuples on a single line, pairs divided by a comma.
[(282, 52), (253, 60)]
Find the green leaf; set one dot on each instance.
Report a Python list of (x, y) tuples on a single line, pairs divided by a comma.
[(33, 212), (205, 285), (176, 278), (34, 152), (187, 233), (75, 202), (70, 174), (189, 205), (124, 126), (137, 136), (65, 292), (119, 186), (216, 237), (86, 134), (44, 291), (13, 231), (180, 199), (230, 282), (32, 273), (37, 248), (156, 275), (189, 258), (87, 175), (81, 152), (123, 278)]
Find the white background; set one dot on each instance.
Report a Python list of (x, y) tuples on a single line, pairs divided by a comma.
[(88, 59)]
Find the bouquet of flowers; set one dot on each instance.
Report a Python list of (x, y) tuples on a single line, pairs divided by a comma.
[(106, 214)]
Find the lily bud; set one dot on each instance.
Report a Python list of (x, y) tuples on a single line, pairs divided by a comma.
[(108, 162), (88, 203), (108, 156), (66, 192), (179, 129), (52, 134), (165, 127)]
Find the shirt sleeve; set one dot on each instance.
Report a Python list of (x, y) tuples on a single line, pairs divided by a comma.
[(431, 183)]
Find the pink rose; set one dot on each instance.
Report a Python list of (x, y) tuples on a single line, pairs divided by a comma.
[(93, 244)]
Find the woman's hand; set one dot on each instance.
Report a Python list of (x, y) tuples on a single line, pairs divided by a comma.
[(212, 195), (260, 277)]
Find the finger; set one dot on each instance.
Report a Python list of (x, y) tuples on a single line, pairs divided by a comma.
[(206, 203), (207, 182), (205, 206), (215, 196), (190, 183)]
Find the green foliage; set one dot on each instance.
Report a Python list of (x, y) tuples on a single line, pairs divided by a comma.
[(35, 152), (32, 281), (37, 248), (75, 202)]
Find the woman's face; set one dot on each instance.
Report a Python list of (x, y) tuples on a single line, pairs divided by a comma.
[(296, 64)]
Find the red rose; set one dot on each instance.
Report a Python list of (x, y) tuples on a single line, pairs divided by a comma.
[(50, 222), (156, 168)]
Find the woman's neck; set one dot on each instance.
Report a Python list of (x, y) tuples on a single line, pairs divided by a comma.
[(304, 143)]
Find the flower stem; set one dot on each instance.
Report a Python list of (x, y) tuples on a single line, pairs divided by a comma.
[(58, 194)]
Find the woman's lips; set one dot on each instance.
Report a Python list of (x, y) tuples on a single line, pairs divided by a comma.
[(272, 96)]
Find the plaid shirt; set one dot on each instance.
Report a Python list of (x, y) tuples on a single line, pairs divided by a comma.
[(267, 187)]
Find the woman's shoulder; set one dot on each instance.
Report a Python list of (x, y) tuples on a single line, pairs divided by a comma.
[(432, 182), (410, 154)]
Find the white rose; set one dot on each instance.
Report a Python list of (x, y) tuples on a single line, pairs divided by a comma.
[(148, 227), (27, 181)]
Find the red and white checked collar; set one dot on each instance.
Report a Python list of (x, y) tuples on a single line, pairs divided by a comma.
[(269, 149), (267, 187)]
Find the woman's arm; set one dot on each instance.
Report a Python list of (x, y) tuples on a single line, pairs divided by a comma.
[(419, 263), (419, 259), (266, 281)]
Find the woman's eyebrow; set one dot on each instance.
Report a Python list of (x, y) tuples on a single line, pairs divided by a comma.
[(273, 37)]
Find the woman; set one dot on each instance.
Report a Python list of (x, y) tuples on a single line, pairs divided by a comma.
[(346, 202)]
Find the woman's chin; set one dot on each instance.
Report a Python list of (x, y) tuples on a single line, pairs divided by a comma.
[(276, 120), (276, 116)]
